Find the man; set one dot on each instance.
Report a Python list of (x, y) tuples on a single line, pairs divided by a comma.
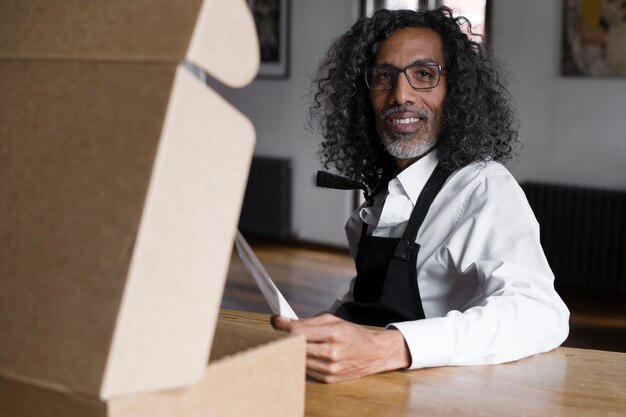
[(447, 249)]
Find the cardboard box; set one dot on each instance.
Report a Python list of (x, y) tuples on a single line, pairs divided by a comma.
[(252, 372), (121, 181)]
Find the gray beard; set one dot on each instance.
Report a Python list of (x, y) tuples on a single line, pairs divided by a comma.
[(404, 148)]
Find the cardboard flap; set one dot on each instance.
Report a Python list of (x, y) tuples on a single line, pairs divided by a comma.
[(78, 144), (217, 35), (121, 182), (182, 251), (226, 30), (263, 376), (112, 267), (265, 368)]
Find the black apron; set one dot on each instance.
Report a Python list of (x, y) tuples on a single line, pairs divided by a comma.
[(385, 289)]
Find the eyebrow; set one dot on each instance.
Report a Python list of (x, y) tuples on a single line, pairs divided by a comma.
[(425, 61), (418, 61)]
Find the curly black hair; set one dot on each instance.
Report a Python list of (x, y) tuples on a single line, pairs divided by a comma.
[(479, 121)]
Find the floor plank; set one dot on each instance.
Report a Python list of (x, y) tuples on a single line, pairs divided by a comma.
[(310, 279)]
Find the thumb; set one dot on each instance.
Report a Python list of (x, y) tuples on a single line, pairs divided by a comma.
[(281, 323)]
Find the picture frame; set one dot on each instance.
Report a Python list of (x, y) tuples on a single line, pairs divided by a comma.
[(272, 22), (593, 40)]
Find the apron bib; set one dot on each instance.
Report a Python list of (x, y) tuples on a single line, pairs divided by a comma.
[(385, 289)]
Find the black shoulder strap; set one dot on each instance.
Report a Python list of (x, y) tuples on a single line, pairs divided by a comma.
[(337, 182), (425, 199), (407, 244)]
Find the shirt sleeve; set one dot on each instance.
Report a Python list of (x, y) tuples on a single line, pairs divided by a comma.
[(515, 312)]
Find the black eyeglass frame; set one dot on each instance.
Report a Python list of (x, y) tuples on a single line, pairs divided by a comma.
[(440, 70)]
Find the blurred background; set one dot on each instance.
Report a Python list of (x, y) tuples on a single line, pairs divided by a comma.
[(572, 168)]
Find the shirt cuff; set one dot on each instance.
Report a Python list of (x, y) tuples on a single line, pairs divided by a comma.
[(430, 341)]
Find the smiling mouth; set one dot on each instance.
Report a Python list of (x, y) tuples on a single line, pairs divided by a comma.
[(405, 124), (407, 120)]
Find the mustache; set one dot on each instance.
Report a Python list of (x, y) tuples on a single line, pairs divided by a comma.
[(420, 112)]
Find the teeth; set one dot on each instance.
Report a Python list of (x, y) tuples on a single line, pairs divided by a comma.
[(406, 121)]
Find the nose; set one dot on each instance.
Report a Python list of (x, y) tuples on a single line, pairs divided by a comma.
[(402, 92)]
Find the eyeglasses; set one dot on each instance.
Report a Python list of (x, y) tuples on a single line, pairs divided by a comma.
[(419, 76)]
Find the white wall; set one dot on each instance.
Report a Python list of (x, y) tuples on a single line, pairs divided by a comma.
[(574, 127), (279, 109)]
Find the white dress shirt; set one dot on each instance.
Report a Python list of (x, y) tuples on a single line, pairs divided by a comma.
[(486, 287)]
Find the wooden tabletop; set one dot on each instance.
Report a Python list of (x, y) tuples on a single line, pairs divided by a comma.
[(565, 382)]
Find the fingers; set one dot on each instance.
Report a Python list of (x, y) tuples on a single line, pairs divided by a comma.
[(321, 377), (321, 319), (329, 352), (281, 323), (316, 329), (331, 372), (338, 350), (321, 371), (284, 322), (326, 333)]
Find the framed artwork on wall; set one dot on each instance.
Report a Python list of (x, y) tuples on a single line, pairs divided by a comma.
[(594, 38), (272, 23)]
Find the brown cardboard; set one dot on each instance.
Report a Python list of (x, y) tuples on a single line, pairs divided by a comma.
[(121, 180), (222, 391), (218, 36)]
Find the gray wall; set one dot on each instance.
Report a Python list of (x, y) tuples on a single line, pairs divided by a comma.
[(574, 128), (279, 109)]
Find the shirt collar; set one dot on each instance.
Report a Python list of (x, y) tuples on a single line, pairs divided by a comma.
[(414, 177)]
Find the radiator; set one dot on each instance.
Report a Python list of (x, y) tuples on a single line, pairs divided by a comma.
[(583, 233), (266, 210)]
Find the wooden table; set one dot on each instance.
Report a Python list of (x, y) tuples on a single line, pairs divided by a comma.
[(565, 382)]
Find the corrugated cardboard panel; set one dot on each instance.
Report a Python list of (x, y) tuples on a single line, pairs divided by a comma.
[(121, 179), (226, 30), (264, 376), (78, 144), (216, 35), (248, 336), (183, 248), (75, 184), (110, 30), (22, 399)]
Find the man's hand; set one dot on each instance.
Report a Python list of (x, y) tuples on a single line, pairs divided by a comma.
[(338, 350)]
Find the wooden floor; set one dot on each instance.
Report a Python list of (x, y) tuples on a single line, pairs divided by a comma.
[(311, 278)]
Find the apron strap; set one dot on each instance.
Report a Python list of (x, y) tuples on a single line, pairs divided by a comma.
[(425, 199), (337, 182)]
